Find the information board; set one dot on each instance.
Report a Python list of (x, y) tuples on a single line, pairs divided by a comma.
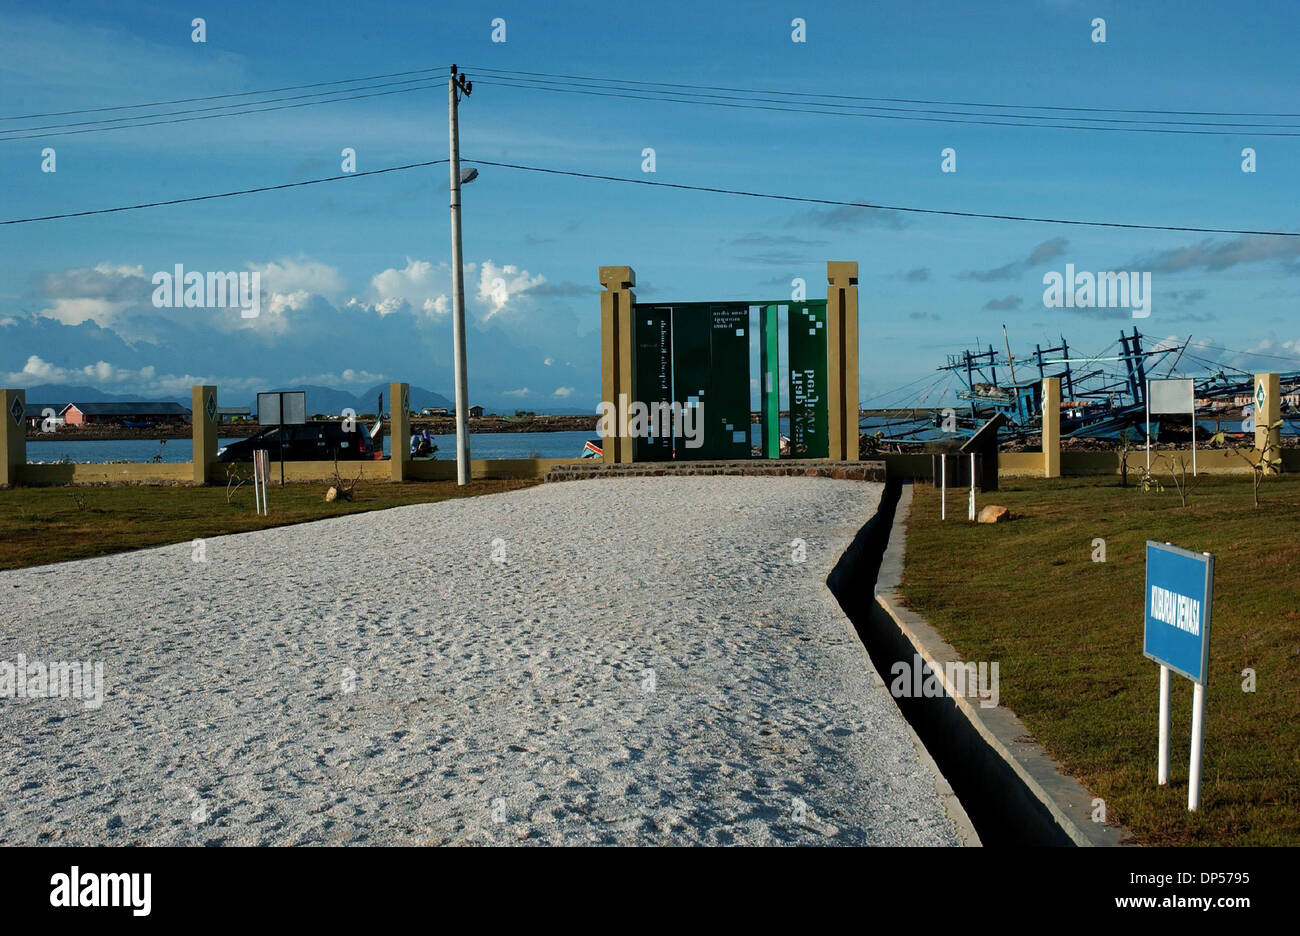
[(1179, 591), (809, 423)]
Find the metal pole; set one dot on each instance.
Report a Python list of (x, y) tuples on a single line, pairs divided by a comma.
[(1162, 770), (1198, 739), (458, 294), (1193, 436)]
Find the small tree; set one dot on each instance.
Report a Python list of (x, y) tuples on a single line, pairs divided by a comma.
[(233, 482), (343, 490), (1124, 448), (1177, 464), (1269, 460)]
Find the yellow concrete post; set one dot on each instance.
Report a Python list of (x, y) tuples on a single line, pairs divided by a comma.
[(1268, 410), (1051, 427), (399, 406), (203, 424), (842, 349), (13, 435), (616, 353)]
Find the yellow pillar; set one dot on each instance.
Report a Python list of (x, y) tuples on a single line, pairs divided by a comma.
[(1051, 427), (1268, 410), (842, 349), (203, 424), (616, 352), (399, 406), (13, 435)]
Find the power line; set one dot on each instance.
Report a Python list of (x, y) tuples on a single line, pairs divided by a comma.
[(853, 97), (216, 97), (516, 83), (216, 107), (198, 198), (1279, 357), (847, 204), (1036, 120), (260, 110), (689, 188)]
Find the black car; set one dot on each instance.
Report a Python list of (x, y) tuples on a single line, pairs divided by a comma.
[(313, 441)]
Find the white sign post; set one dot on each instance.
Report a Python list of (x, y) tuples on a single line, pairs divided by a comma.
[(971, 510), (1171, 396), (1176, 634), (261, 468), (943, 487)]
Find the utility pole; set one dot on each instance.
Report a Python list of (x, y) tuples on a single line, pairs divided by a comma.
[(456, 84)]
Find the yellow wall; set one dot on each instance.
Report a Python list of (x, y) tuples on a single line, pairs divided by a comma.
[(180, 473), (121, 473)]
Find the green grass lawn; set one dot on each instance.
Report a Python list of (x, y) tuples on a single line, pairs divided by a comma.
[(1067, 632), (55, 524)]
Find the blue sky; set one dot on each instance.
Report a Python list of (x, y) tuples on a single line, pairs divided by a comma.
[(355, 274)]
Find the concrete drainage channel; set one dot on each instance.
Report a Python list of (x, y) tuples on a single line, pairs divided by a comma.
[(1012, 791)]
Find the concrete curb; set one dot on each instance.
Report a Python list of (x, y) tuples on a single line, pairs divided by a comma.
[(999, 762)]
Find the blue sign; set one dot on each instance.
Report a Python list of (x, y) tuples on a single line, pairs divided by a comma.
[(1179, 589)]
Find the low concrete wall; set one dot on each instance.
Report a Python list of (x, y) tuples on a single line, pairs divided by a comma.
[(118, 473), (182, 472), (486, 468), (1084, 464), (756, 467), (1026, 464)]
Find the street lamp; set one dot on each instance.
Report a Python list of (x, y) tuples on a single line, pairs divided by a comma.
[(456, 86)]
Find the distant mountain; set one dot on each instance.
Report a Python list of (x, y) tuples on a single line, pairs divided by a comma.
[(61, 393), (420, 398)]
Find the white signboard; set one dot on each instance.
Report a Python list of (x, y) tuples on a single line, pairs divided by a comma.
[(282, 409), (1172, 396)]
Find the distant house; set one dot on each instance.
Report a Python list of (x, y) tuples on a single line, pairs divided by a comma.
[(230, 414), (36, 414), (476, 412), (124, 414)]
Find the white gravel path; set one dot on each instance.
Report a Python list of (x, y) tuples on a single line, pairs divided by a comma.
[(490, 703)]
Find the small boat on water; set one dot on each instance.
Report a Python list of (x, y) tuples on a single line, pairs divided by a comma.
[(592, 449)]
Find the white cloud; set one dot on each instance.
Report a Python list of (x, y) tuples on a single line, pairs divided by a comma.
[(38, 370), (497, 285), (563, 391), (419, 285), (292, 276), (521, 392)]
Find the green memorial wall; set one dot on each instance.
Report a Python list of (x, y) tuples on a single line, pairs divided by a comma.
[(698, 354)]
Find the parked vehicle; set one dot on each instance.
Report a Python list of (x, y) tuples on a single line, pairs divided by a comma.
[(313, 441)]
